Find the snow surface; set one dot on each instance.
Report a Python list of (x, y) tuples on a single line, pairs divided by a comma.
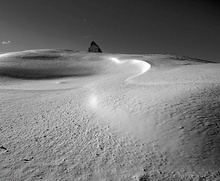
[(69, 115)]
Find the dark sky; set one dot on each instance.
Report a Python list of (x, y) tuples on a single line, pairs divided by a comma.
[(181, 27)]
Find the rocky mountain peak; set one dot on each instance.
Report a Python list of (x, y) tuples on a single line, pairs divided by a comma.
[(94, 48)]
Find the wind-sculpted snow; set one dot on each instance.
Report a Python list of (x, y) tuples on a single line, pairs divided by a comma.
[(68, 115), (142, 65), (96, 96), (122, 105)]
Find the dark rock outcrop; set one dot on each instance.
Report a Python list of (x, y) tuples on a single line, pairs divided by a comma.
[(94, 48)]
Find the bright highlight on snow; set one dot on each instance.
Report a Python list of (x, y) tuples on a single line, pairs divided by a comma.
[(116, 60), (10, 54), (5, 54), (144, 66), (17, 53), (93, 101)]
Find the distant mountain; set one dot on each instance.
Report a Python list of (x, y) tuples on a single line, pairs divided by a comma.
[(94, 48)]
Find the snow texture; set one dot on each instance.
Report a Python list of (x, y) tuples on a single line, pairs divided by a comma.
[(68, 115)]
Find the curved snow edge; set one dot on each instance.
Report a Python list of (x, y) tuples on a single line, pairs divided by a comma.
[(144, 66)]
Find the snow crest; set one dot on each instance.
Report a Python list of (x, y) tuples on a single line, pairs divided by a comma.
[(143, 66)]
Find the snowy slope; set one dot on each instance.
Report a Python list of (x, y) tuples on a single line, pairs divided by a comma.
[(69, 115)]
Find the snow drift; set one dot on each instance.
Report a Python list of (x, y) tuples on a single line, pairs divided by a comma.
[(67, 114)]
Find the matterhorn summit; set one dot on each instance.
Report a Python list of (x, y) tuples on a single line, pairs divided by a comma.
[(94, 48)]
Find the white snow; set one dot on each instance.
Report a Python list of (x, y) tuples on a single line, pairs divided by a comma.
[(142, 65), (85, 116), (3, 55)]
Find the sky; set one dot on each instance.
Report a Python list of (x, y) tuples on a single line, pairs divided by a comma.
[(178, 27)]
